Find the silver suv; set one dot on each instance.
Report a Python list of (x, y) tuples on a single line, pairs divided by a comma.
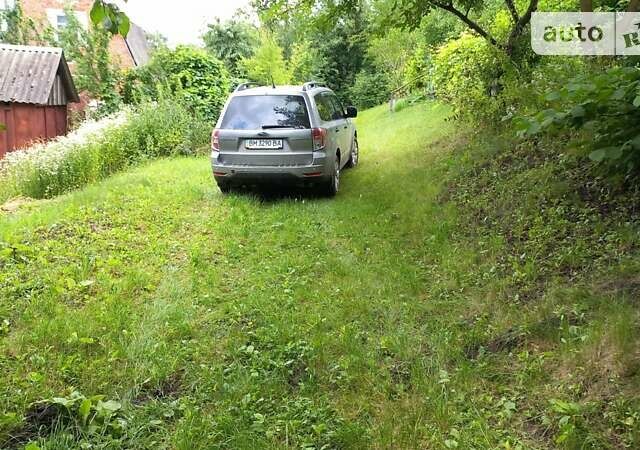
[(299, 134)]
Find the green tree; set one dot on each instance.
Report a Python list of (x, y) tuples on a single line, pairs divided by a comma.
[(231, 42), (94, 71), (370, 89), (336, 38), (410, 13), (188, 74), (304, 62), (267, 65), (391, 52)]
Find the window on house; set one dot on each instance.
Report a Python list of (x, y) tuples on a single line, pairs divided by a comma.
[(61, 21)]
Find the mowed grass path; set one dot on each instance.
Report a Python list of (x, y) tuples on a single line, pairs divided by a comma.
[(247, 322)]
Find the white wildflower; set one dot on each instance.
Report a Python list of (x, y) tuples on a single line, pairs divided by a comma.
[(47, 156)]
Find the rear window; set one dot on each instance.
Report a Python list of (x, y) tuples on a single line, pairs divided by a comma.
[(252, 112)]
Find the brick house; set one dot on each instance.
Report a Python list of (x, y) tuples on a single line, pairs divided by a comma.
[(130, 52)]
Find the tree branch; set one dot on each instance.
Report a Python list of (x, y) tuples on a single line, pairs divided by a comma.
[(520, 26), (470, 23), (512, 9)]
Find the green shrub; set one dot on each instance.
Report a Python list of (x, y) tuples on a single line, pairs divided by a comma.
[(400, 104), (99, 149), (467, 74), (405, 102), (605, 108), (418, 70), (190, 75), (370, 89)]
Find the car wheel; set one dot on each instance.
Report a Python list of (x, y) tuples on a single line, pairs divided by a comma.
[(225, 188), (332, 186), (355, 154)]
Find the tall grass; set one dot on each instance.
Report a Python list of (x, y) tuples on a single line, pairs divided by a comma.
[(100, 148)]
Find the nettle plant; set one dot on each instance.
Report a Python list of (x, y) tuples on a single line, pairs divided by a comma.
[(605, 109)]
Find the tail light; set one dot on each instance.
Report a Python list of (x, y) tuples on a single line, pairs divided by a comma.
[(215, 140), (319, 136)]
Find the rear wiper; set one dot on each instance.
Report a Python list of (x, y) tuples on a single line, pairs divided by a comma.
[(266, 127)]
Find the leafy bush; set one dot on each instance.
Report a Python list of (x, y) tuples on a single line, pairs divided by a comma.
[(98, 149), (605, 108), (192, 76), (405, 102), (370, 89), (467, 74), (417, 70)]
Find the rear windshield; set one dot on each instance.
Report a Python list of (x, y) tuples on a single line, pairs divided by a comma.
[(253, 112)]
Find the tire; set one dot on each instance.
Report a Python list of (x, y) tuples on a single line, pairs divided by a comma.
[(331, 187), (354, 156), (225, 188)]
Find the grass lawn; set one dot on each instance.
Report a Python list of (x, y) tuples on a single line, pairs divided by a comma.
[(384, 318)]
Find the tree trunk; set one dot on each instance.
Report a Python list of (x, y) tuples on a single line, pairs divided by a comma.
[(519, 27), (586, 5), (634, 6)]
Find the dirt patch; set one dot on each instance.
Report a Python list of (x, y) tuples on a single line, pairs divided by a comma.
[(507, 341), (14, 204), (627, 285), (40, 420), (298, 374), (168, 388), (400, 373)]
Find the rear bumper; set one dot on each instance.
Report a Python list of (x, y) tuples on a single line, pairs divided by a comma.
[(237, 173)]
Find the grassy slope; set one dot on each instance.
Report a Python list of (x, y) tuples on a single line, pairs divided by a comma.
[(385, 318)]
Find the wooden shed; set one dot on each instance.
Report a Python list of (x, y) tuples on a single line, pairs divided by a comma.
[(35, 88)]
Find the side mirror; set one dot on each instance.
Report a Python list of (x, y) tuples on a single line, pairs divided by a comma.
[(352, 111)]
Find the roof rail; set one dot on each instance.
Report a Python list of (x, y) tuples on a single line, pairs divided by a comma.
[(243, 86), (311, 85)]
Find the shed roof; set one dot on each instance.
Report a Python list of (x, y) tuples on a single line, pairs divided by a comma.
[(27, 74)]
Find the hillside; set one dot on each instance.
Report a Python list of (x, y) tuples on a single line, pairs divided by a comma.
[(437, 302)]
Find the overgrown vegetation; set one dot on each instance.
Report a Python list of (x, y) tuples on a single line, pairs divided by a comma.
[(606, 108), (188, 75), (18, 29), (479, 292), (490, 303), (94, 71), (99, 149)]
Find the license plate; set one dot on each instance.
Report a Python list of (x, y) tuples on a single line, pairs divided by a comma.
[(263, 144)]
